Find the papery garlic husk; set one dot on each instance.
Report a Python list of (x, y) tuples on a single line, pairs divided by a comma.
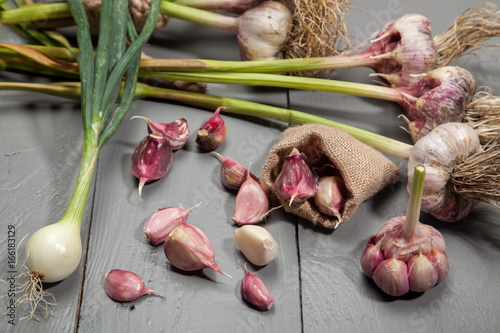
[(151, 159), (391, 277), (125, 286), (441, 96), (422, 273), (163, 221), (404, 47), (254, 291), (212, 133), (442, 151), (263, 30), (232, 174), (176, 132), (251, 204), (331, 196), (296, 182), (189, 249), (256, 244)]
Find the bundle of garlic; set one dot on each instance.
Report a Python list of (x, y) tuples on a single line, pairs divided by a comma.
[(363, 170)]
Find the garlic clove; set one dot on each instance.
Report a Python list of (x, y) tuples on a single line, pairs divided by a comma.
[(252, 203), (422, 273), (189, 249), (125, 286), (296, 182), (163, 221), (151, 159), (371, 257), (176, 132), (331, 196), (391, 277), (255, 292), (212, 133), (440, 261), (256, 244), (232, 174)]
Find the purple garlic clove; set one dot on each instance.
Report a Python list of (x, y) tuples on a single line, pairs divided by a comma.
[(125, 286), (391, 277), (296, 182), (163, 221), (189, 249), (371, 257), (176, 132), (422, 273), (151, 159), (441, 262), (331, 196), (212, 133), (252, 203), (255, 292), (232, 174)]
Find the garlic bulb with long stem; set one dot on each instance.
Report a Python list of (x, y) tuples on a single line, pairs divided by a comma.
[(399, 256)]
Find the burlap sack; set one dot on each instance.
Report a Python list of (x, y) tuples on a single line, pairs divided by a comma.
[(364, 170)]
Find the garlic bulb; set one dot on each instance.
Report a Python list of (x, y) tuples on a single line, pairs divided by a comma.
[(405, 48), (257, 244), (444, 148)]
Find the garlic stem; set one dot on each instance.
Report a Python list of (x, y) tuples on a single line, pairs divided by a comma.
[(414, 202), (235, 106), (281, 81), (199, 16)]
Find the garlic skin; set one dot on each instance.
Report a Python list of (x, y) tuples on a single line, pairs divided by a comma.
[(151, 159), (232, 174), (255, 292), (296, 181), (176, 132), (405, 47), (251, 204), (256, 244), (212, 133), (263, 30), (163, 221), (189, 249), (440, 151), (441, 96), (125, 286), (331, 196)]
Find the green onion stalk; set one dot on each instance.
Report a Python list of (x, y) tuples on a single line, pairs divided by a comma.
[(54, 251)]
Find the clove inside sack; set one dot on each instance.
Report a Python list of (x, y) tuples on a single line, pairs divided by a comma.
[(364, 170)]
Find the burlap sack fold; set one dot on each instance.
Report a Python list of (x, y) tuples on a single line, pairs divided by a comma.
[(364, 170)]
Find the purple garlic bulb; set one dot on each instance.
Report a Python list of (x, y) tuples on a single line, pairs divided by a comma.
[(406, 255), (151, 159), (296, 181), (441, 96), (403, 48)]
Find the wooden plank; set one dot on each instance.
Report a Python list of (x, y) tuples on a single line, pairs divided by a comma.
[(336, 295)]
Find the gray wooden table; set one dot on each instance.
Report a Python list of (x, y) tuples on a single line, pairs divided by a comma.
[(316, 279)]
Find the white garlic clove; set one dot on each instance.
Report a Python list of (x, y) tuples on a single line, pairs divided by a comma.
[(257, 244)]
